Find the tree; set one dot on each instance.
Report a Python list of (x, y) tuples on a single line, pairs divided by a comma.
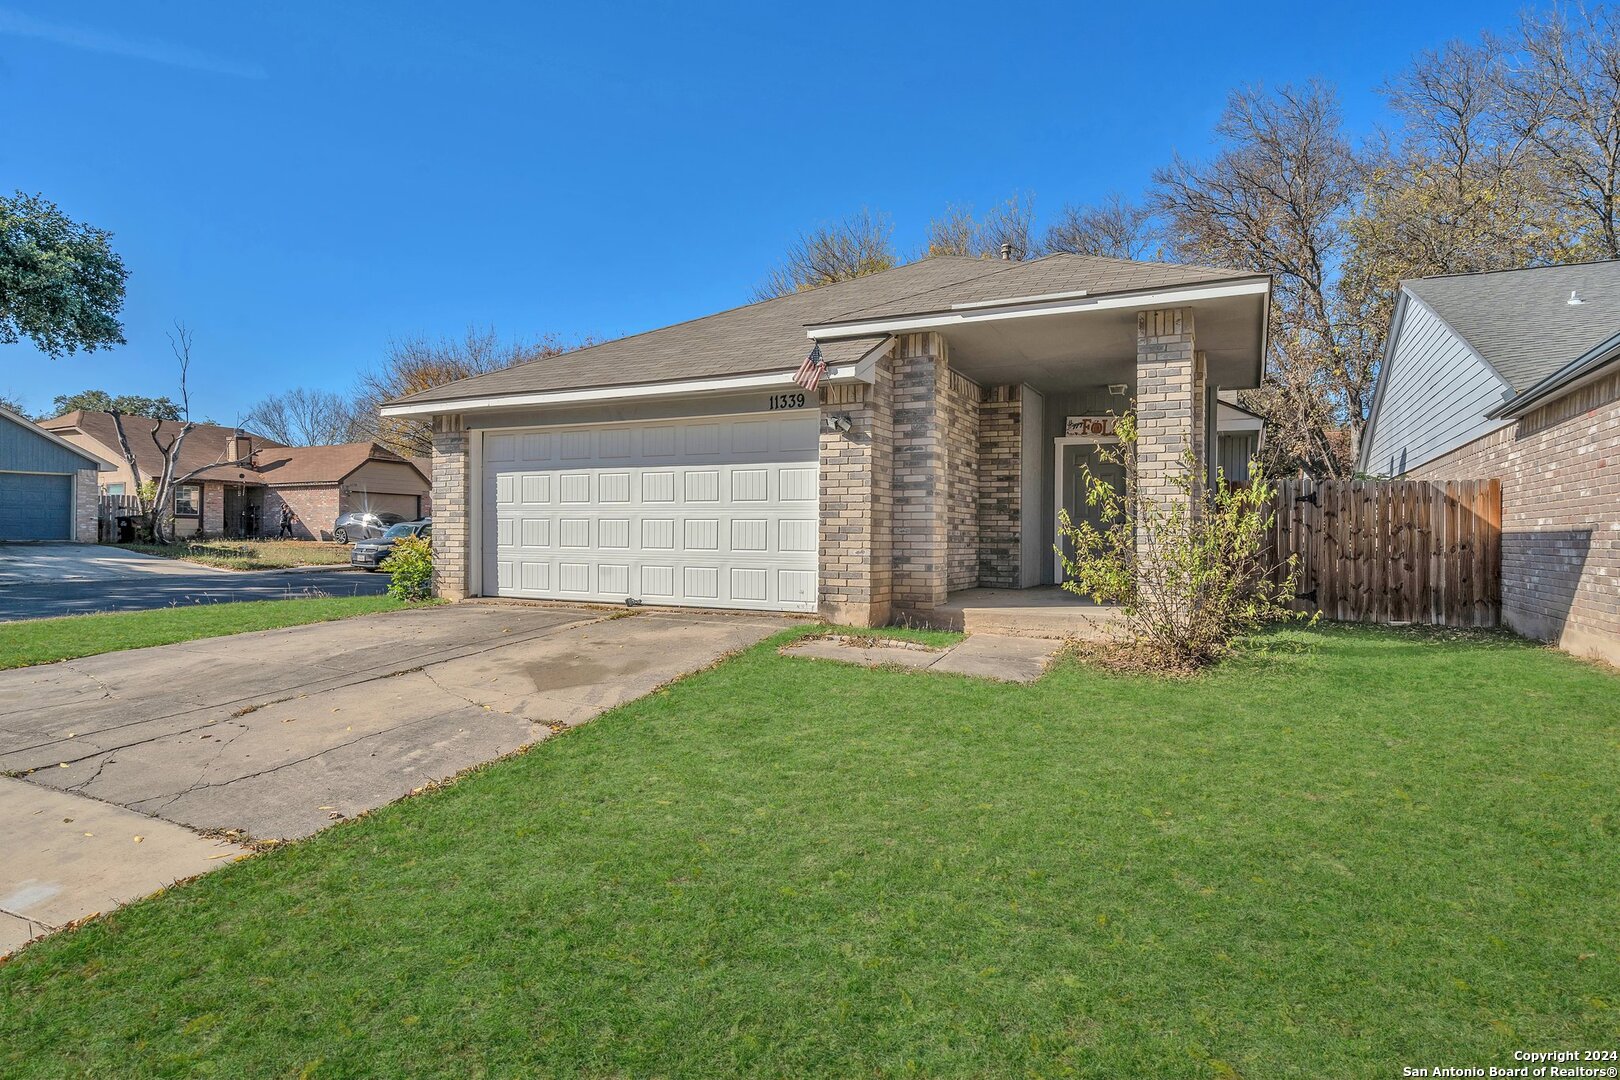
[(1010, 223), (841, 251), (305, 417), (161, 408), (412, 365), (156, 493), (1563, 94), (13, 403), (1115, 228), (1274, 200), (953, 233), (1009, 226), (61, 283)]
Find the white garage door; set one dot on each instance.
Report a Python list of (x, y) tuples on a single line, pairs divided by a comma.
[(709, 513)]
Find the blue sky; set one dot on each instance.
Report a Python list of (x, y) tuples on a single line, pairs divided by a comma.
[(301, 182)]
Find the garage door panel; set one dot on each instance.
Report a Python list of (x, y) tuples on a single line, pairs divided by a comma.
[(710, 513)]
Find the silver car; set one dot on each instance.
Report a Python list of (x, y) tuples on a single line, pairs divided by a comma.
[(362, 525), (369, 554)]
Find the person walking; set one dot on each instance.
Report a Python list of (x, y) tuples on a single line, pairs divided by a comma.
[(287, 521)]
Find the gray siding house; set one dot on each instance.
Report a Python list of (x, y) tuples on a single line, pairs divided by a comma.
[(48, 486), (1515, 375)]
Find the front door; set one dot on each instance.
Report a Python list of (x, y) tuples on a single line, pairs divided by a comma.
[(1074, 461)]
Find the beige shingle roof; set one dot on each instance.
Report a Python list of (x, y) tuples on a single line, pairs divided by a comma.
[(770, 335)]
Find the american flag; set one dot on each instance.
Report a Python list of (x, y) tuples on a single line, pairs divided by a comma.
[(810, 372)]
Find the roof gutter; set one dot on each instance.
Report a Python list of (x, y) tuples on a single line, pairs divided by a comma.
[(1582, 369), (1038, 306)]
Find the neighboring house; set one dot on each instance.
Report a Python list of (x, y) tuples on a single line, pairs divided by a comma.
[(685, 466), (47, 485), (224, 499), (1516, 375)]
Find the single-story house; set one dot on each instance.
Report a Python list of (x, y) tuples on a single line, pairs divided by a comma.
[(686, 466), (242, 480), (47, 485), (1515, 375)]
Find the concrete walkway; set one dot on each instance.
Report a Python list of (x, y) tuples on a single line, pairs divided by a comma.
[(279, 733), (985, 656)]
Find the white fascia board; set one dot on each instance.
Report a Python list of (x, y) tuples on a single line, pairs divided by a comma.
[(945, 319), (842, 373)]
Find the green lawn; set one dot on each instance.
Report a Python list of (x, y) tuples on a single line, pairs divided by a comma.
[(1342, 853), (249, 554), (44, 641)]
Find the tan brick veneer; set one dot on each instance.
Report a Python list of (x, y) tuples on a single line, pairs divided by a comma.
[(450, 487), (1560, 473)]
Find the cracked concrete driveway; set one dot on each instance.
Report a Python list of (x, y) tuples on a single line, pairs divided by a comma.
[(279, 733)]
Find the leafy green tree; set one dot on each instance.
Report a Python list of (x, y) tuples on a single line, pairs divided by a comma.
[(161, 408), (61, 283)]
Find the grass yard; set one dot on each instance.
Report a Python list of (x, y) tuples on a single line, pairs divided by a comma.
[(249, 554), (1347, 851), (45, 641)]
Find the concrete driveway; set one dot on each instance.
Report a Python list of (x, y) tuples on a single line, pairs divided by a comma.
[(278, 734), (49, 564), (40, 581)]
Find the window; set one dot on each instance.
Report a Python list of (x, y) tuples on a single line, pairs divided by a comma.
[(396, 531), (188, 500), (115, 489)]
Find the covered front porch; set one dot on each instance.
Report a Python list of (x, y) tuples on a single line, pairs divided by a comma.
[(995, 414)]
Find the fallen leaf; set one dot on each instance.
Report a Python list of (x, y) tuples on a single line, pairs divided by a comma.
[(222, 855), (138, 839), (63, 765), (89, 834)]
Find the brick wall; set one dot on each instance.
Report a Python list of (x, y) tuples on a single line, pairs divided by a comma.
[(1169, 408), (86, 505), (451, 532), (315, 510), (1000, 487), (959, 421), (1560, 473), (857, 501)]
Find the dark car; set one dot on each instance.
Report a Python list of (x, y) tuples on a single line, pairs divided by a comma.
[(362, 525), (369, 554)]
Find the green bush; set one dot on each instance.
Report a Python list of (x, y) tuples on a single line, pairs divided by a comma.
[(410, 566), (1190, 568)]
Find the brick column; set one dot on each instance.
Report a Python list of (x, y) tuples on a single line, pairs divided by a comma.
[(451, 529), (1000, 510), (856, 501), (921, 484), (86, 505), (1169, 405)]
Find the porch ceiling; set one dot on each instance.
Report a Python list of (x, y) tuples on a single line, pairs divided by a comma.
[(1068, 351)]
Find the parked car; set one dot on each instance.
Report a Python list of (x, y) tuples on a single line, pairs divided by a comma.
[(362, 525), (369, 554)]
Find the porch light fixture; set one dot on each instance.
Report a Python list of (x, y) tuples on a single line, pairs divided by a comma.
[(836, 423), (1117, 389)]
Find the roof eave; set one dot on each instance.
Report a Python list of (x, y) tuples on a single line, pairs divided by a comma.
[(1589, 365), (1237, 285)]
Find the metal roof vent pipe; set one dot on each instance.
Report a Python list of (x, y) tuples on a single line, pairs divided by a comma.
[(1574, 298), (1006, 253)]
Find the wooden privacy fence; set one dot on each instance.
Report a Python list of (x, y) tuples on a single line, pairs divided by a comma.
[(1394, 551), (108, 509)]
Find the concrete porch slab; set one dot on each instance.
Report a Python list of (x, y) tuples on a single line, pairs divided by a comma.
[(1044, 612)]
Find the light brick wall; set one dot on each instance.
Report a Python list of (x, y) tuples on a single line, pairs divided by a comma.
[(451, 531), (857, 501), (1560, 473), (213, 509), (959, 421), (1169, 405), (1000, 486), (921, 544), (86, 496)]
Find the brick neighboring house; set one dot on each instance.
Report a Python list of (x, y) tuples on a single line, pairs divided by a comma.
[(685, 466), (1516, 375), (246, 499)]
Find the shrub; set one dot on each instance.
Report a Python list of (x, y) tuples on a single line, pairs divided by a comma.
[(410, 566), (1191, 572)]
